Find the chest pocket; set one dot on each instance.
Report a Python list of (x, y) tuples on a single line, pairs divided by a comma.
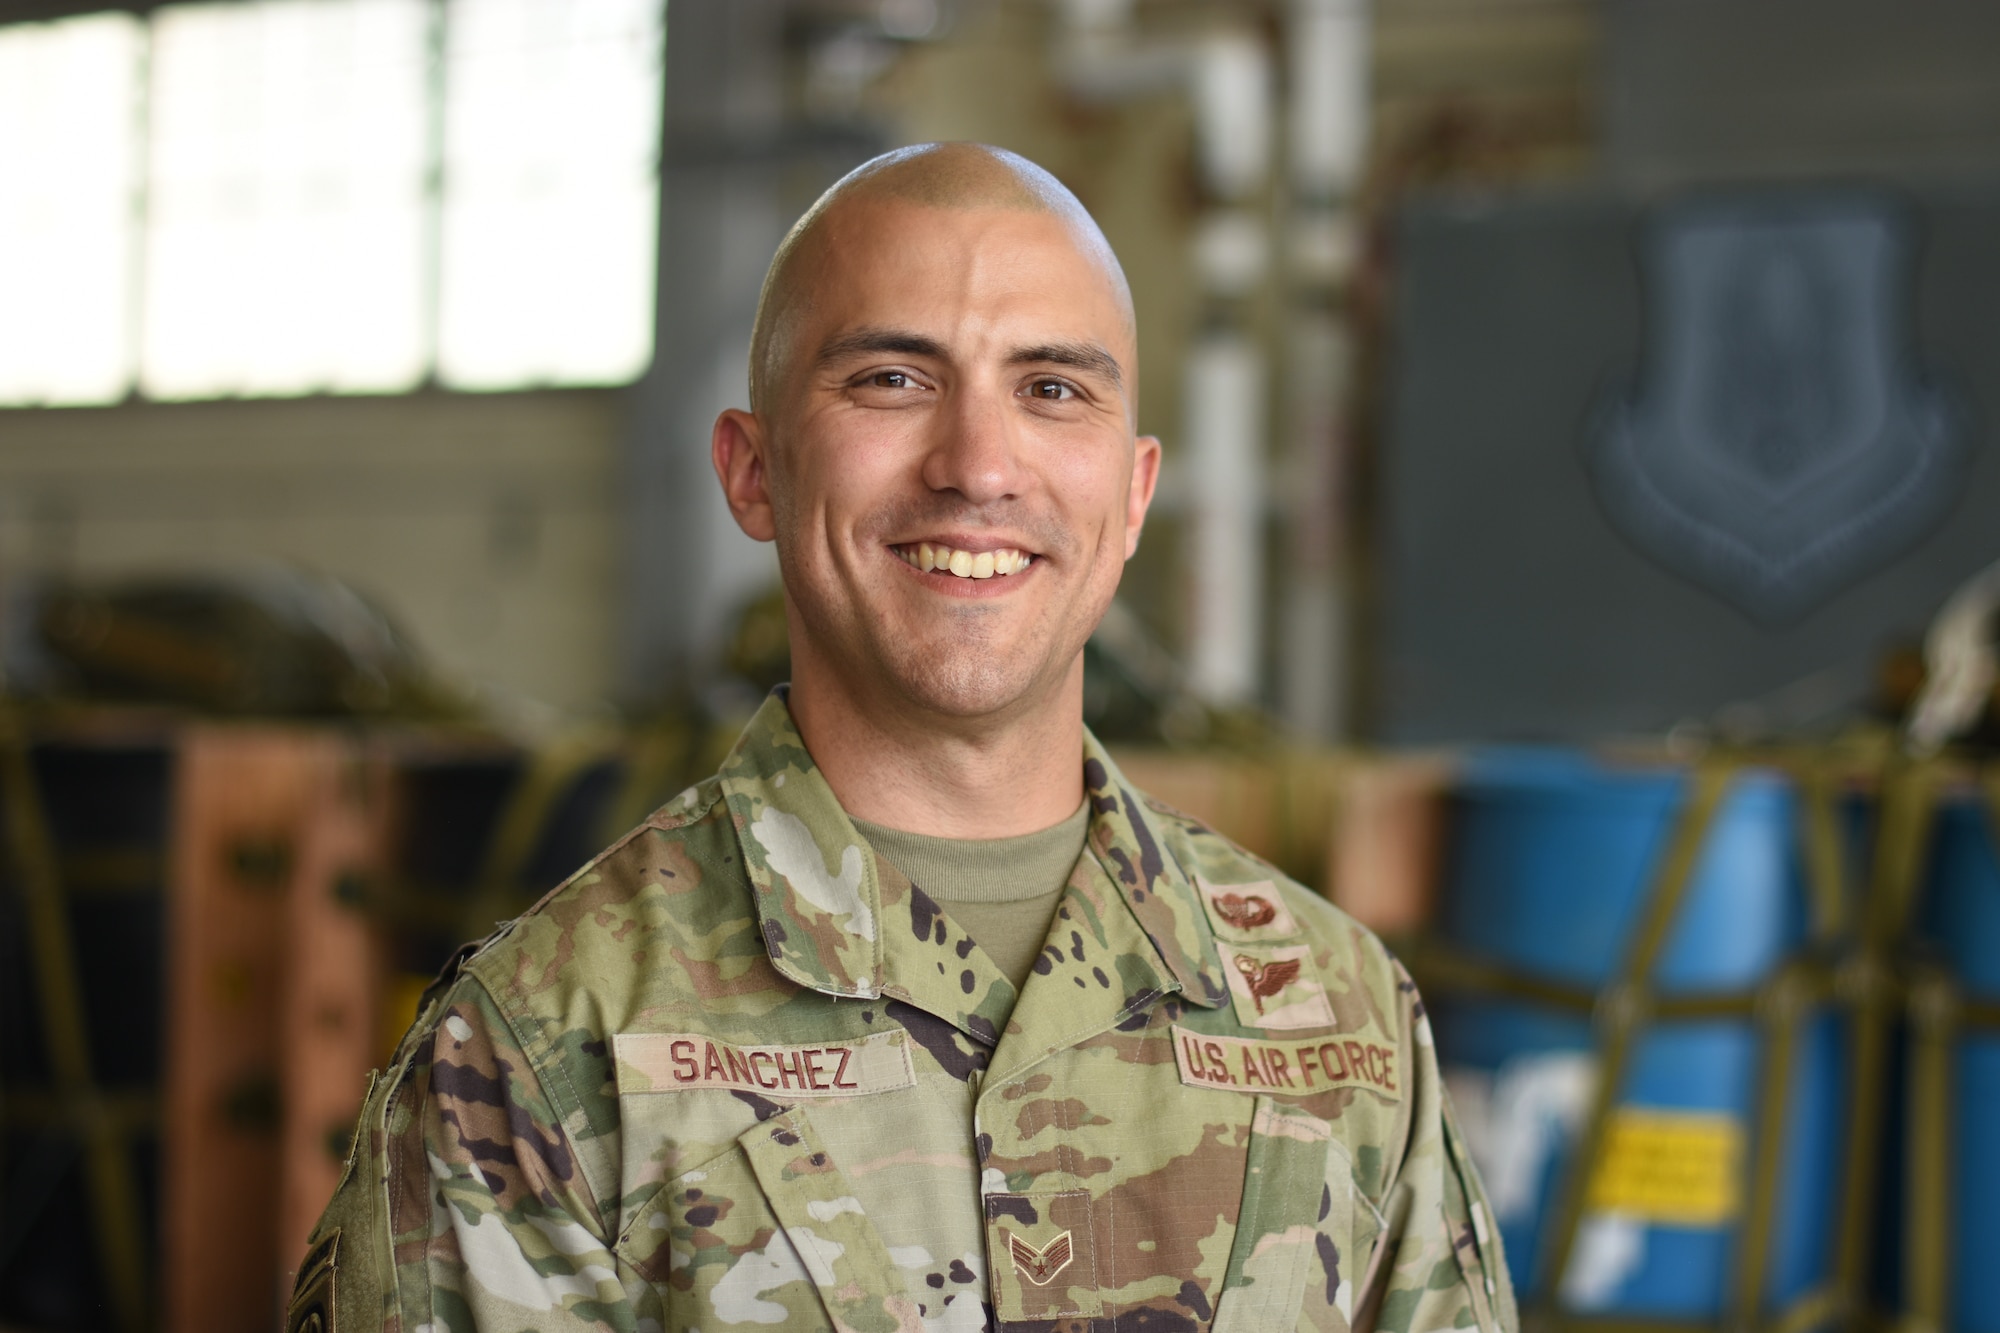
[(769, 1233), (1297, 1212)]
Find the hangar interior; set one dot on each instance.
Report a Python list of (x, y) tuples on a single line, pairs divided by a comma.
[(1577, 554)]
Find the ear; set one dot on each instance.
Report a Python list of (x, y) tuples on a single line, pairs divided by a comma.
[(1139, 494), (737, 448)]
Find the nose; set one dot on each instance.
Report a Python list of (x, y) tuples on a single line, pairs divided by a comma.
[(975, 448)]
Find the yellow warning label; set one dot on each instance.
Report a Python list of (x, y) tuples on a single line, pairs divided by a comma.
[(1683, 1168)]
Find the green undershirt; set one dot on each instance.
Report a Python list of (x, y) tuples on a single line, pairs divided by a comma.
[(1000, 891)]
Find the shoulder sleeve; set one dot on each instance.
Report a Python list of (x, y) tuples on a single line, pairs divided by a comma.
[(1438, 1264), (464, 1207)]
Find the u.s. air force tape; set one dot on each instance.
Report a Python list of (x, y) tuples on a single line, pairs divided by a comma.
[(1312, 1064), (686, 1061)]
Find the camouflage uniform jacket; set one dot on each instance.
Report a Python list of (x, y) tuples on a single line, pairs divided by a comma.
[(738, 1072)]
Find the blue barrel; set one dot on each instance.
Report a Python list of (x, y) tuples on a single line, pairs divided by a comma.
[(1961, 915), (1551, 859)]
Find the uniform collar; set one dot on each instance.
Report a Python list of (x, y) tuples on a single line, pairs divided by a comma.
[(1128, 839), (819, 898), (820, 893)]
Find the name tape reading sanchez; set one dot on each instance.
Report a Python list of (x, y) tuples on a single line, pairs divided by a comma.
[(683, 1062)]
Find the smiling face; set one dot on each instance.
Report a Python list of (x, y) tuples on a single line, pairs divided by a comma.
[(945, 454)]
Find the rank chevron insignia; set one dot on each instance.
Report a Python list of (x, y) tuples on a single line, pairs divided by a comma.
[(1267, 979), (1040, 1266)]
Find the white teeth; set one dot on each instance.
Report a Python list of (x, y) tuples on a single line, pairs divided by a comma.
[(964, 564)]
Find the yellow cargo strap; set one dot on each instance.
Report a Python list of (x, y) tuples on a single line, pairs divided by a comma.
[(114, 1194)]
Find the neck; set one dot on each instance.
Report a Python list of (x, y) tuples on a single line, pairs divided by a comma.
[(945, 776)]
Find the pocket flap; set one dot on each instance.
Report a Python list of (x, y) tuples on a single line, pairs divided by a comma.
[(1042, 1249), (826, 1224), (1281, 1221)]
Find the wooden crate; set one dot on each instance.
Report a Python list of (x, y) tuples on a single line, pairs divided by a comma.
[(198, 964), (273, 983), (1387, 847), (1365, 829), (337, 972)]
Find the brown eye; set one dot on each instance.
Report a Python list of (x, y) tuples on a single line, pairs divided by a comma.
[(1052, 390), (891, 379)]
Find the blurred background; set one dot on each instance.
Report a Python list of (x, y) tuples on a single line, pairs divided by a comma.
[(1575, 555)]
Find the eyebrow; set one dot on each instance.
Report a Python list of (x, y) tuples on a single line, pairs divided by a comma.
[(1087, 357), (863, 342), (1084, 356)]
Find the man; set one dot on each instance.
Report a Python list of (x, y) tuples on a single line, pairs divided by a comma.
[(917, 1016)]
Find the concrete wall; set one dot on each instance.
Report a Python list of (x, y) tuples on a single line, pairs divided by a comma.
[(485, 524), (1700, 91)]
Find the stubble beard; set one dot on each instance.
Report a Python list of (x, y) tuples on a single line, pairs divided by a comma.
[(953, 666), (962, 672)]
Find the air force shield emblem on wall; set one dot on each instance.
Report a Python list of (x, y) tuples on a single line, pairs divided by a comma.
[(1781, 443)]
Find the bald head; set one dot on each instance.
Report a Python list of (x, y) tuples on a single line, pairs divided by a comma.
[(957, 176)]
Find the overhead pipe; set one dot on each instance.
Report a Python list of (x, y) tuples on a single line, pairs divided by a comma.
[(1327, 122), (1227, 78)]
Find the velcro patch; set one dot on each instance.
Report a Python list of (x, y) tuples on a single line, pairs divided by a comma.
[(685, 1061), (1245, 912), (1297, 1067), (313, 1304), (1275, 988)]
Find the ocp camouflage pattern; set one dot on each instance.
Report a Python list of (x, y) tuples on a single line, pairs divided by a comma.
[(739, 1072)]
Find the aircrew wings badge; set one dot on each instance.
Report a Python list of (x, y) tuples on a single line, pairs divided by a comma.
[(1245, 912), (1266, 979), (1272, 989), (1040, 1266)]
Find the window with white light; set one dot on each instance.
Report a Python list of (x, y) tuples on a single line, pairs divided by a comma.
[(69, 190), (328, 196), (551, 132), (285, 199)]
